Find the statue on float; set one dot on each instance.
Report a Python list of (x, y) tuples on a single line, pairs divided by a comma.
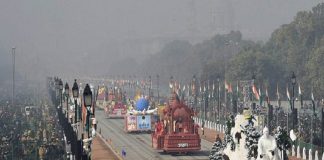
[(141, 107), (267, 147)]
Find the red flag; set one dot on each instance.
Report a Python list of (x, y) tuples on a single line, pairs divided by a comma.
[(230, 88), (255, 92), (226, 85)]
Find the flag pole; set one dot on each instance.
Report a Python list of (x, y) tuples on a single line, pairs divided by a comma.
[(225, 100)]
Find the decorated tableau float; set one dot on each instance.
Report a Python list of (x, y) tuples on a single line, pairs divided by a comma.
[(176, 132), (140, 117), (117, 105), (102, 97)]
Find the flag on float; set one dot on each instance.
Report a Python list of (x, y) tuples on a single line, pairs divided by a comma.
[(300, 95), (255, 92)]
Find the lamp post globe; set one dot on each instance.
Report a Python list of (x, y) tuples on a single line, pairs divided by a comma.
[(293, 79), (75, 89), (61, 84), (67, 89), (87, 96)]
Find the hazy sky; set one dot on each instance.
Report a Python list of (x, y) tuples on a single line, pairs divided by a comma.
[(67, 36)]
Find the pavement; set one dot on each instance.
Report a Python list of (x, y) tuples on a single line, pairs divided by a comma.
[(139, 145), (101, 151)]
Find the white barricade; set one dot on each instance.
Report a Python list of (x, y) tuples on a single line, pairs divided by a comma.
[(298, 152), (304, 154), (316, 155)]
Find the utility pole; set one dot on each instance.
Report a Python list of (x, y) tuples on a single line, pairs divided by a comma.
[(218, 100), (158, 94), (13, 75)]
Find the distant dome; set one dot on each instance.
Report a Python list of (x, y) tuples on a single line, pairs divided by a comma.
[(142, 104)]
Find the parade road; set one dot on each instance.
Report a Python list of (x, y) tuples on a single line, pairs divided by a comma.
[(139, 145)]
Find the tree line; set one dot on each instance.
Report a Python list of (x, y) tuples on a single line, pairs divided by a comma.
[(295, 47)]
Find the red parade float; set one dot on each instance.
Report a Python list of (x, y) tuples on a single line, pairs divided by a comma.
[(116, 107), (176, 130)]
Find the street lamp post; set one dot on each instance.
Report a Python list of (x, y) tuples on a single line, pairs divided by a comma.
[(194, 91), (13, 76), (75, 92), (149, 89), (61, 89), (87, 97), (293, 82), (322, 130), (67, 99), (56, 91), (201, 101), (171, 85), (218, 98), (158, 93), (205, 101)]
